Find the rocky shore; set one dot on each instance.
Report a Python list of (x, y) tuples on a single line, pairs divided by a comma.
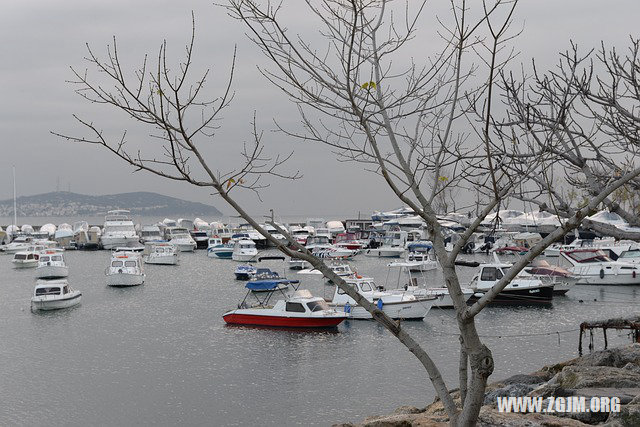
[(611, 372)]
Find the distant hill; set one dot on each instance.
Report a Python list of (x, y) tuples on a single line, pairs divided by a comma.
[(64, 203)]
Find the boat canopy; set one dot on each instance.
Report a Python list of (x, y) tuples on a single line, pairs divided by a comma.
[(265, 285)]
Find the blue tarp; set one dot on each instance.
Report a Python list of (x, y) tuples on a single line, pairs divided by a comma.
[(265, 285), (419, 246)]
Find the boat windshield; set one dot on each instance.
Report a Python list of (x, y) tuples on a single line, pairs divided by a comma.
[(129, 263), (589, 256), (630, 254), (48, 291), (56, 258), (319, 305), (19, 256), (116, 264), (44, 258)]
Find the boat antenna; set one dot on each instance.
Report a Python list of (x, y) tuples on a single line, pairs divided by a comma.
[(15, 212)]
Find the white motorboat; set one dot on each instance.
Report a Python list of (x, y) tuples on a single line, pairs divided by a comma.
[(221, 230), (341, 269), (392, 246), (162, 254), (524, 289), (151, 233), (298, 264), (418, 285), (25, 259), (417, 262), (180, 237), (119, 230), (51, 265), (125, 269), (244, 250), (401, 305), (217, 249), (593, 267), (54, 295), (300, 234), (607, 244)]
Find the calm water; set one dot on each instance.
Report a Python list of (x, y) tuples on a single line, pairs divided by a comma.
[(161, 354)]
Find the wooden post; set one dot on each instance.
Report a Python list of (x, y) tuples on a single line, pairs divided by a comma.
[(604, 331)]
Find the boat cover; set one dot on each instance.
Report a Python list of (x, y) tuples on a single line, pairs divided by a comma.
[(264, 285)]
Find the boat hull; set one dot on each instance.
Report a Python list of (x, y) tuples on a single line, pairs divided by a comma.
[(219, 254), (244, 257), (538, 295), (164, 260), (27, 264), (406, 310), (38, 303), (52, 272), (234, 318), (124, 279)]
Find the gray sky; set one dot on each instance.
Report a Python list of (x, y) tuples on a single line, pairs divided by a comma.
[(41, 39)]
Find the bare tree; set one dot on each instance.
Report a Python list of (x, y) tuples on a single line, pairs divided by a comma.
[(583, 117), (402, 121)]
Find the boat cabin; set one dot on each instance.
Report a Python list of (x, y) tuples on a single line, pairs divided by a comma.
[(52, 288), (25, 256)]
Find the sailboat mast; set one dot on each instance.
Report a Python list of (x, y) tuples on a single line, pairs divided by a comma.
[(15, 212)]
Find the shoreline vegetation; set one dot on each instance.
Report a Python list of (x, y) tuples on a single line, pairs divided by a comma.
[(613, 372)]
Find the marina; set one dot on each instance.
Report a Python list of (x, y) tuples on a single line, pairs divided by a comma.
[(168, 337)]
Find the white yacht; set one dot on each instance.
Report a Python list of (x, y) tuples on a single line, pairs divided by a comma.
[(180, 237), (119, 230), (417, 262), (594, 267), (395, 305), (54, 295), (162, 253), (221, 230), (125, 269), (51, 265), (631, 256), (20, 243), (607, 244), (25, 259), (244, 250)]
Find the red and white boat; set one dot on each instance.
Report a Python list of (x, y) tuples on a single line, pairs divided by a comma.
[(299, 310), (349, 241)]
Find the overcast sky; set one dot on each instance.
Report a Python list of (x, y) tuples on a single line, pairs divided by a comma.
[(41, 39)]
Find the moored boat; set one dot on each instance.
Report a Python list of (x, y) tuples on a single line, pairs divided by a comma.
[(54, 295), (521, 290), (25, 259), (125, 269), (300, 310), (51, 265), (217, 249), (162, 254), (244, 250)]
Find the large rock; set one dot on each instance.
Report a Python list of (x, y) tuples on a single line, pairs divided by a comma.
[(509, 390), (490, 417), (616, 357), (629, 415), (575, 377)]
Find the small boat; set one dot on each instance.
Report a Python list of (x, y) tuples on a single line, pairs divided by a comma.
[(180, 237), (244, 250), (418, 286), (397, 305), (523, 289), (341, 269), (25, 259), (151, 233), (349, 241), (299, 310), (392, 246), (54, 295), (217, 249), (162, 254), (561, 278), (125, 269), (244, 272), (51, 265), (297, 264), (417, 262)]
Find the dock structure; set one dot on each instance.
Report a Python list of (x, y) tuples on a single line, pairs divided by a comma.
[(629, 323)]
